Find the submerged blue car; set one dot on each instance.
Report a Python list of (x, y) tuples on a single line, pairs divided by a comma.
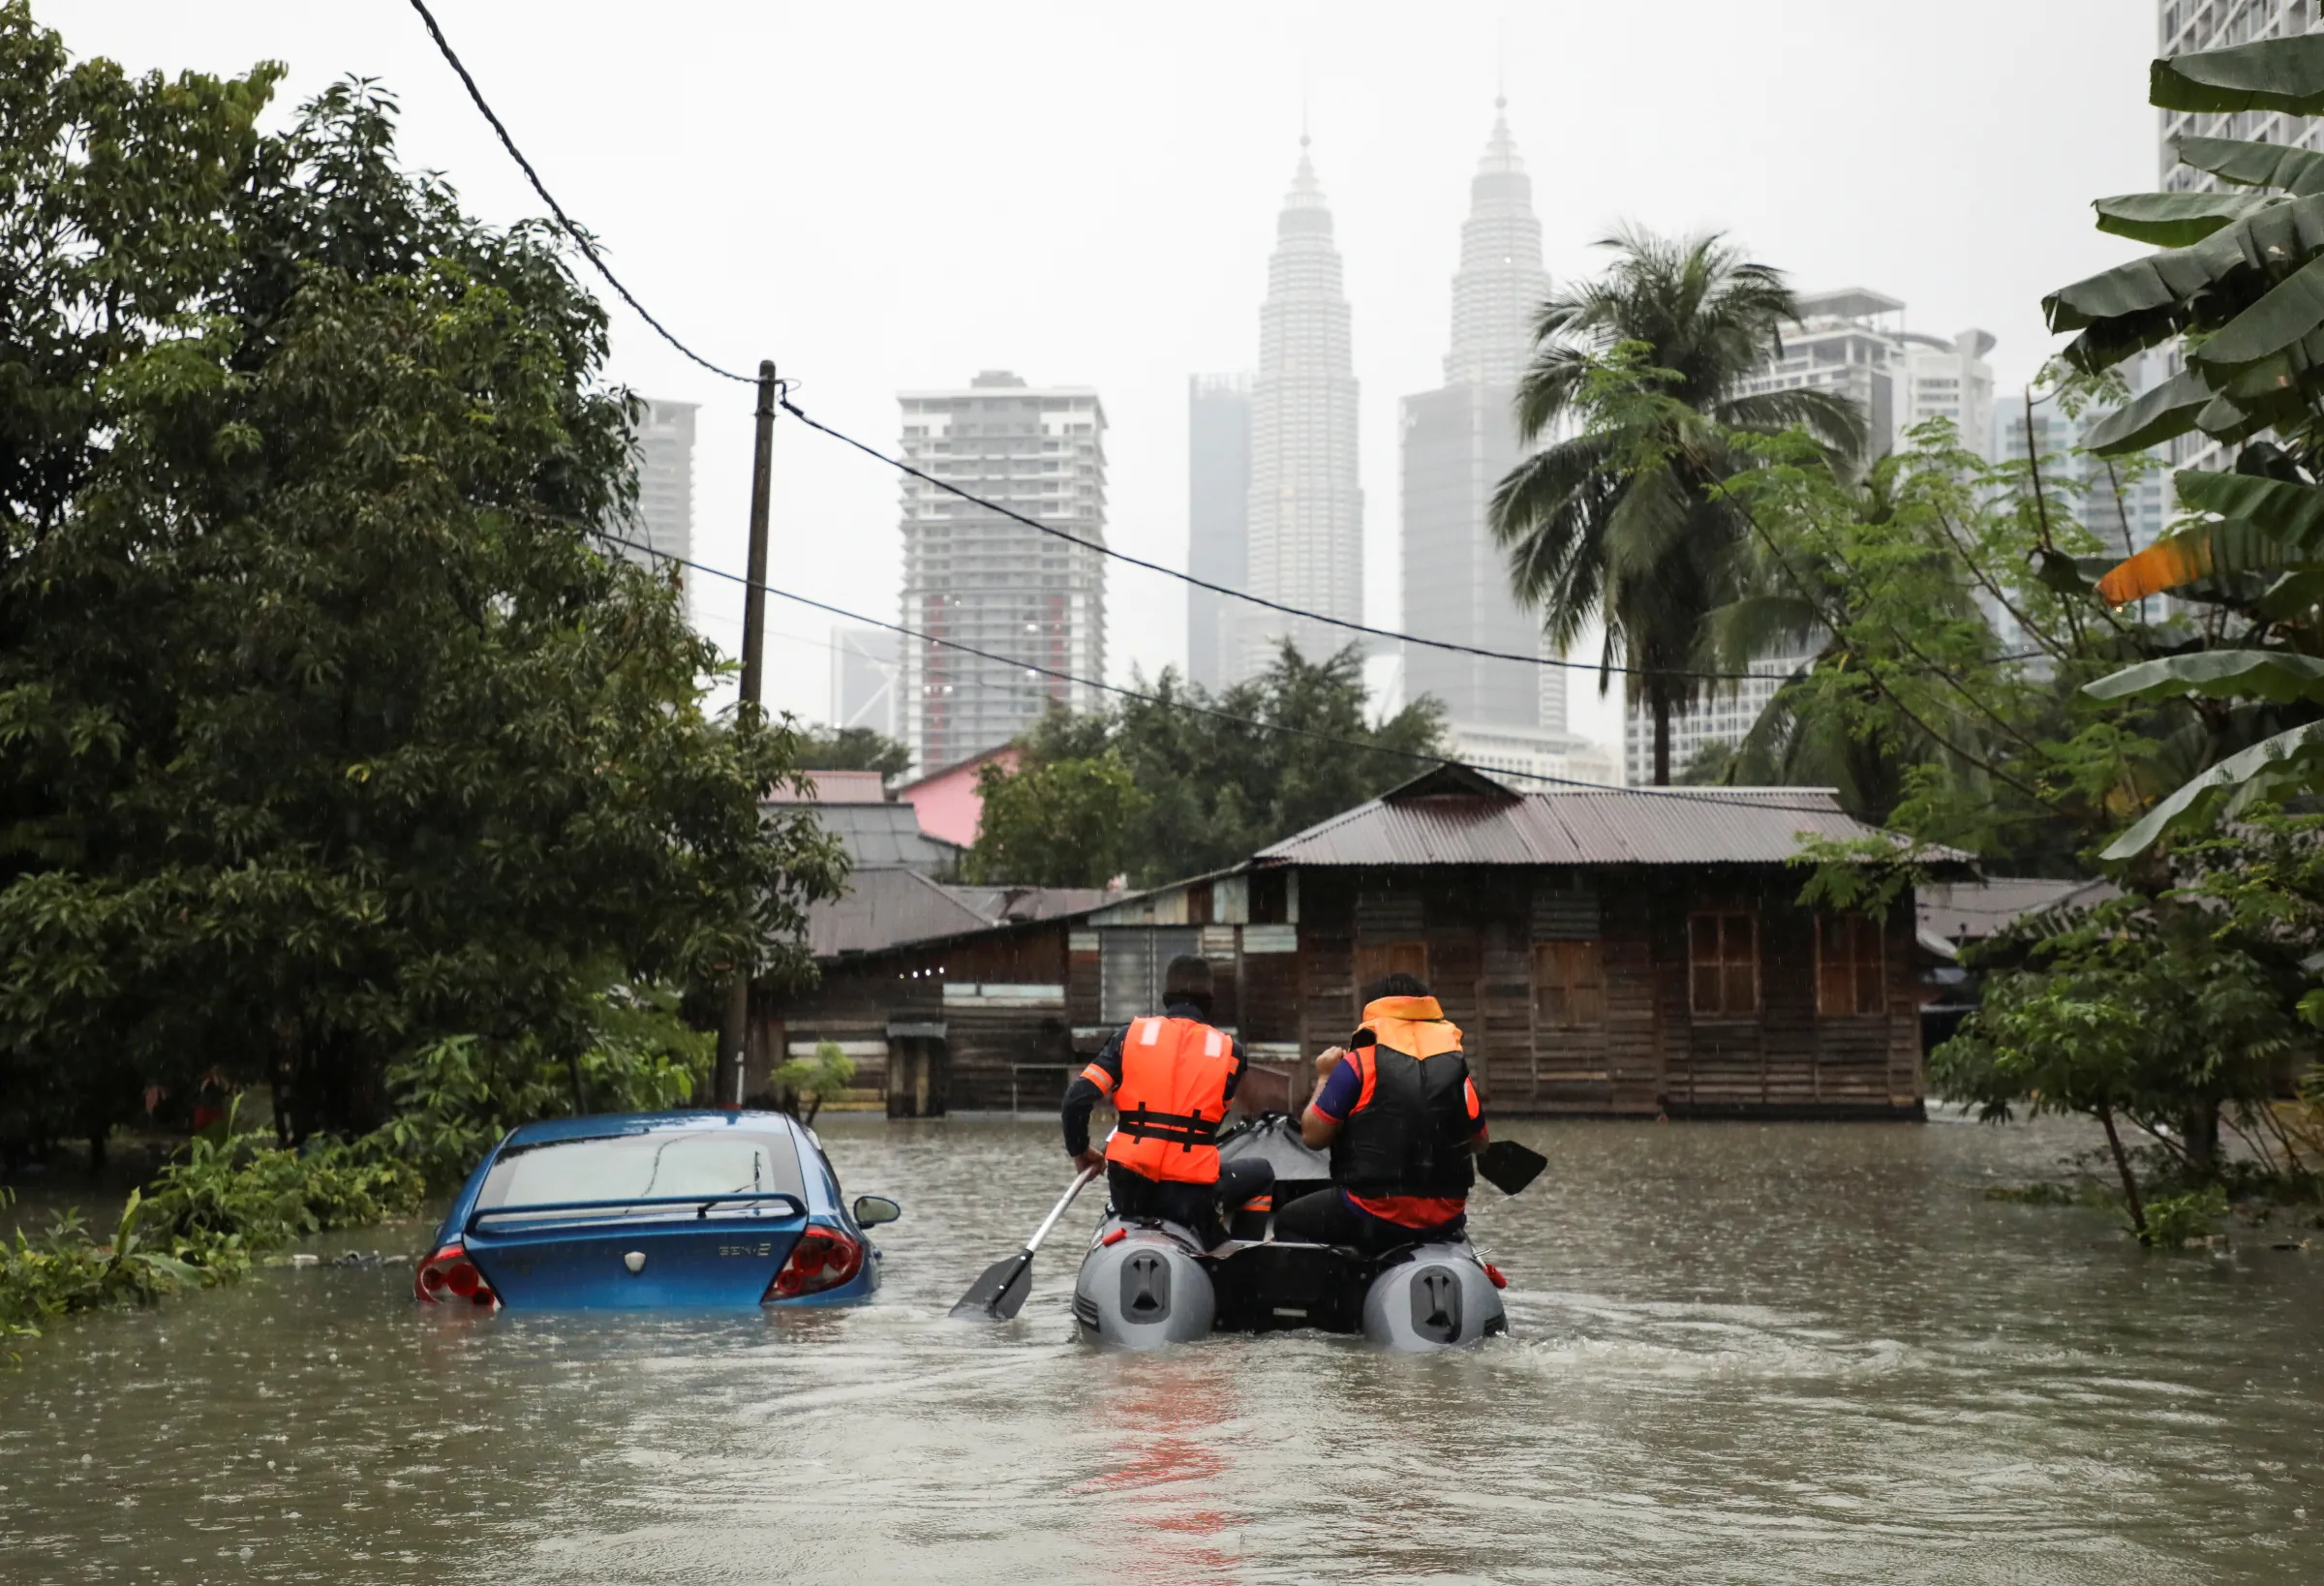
[(637, 1210)]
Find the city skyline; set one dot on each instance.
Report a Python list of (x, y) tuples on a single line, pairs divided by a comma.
[(1176, 163)]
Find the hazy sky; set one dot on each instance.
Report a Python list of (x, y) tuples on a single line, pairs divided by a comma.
[(891, 195)]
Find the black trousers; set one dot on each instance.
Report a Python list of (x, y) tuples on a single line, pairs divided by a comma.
[(1326, 1217), (1190, 1206)]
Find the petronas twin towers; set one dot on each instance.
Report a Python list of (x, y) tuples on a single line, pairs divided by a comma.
[(1294, 532)]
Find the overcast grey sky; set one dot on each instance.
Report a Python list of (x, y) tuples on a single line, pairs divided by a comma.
[(891, 195)]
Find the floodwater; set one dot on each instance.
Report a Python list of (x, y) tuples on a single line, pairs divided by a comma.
[(1739, 1354)]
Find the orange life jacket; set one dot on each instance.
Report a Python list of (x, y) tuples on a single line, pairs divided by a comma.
[(1172, 1099)]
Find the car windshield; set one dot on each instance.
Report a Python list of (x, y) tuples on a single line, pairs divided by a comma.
[(652, 1167)]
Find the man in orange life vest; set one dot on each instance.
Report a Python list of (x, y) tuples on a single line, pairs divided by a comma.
[(1170, 1080), (1400, 1115)]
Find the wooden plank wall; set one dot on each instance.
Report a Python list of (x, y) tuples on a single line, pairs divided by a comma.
[(1651, 1053)]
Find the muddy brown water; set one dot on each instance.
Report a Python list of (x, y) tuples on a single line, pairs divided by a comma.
[(1739, 1354)]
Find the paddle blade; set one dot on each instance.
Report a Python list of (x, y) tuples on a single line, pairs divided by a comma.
[(1000, 1294), (1509, 1167)]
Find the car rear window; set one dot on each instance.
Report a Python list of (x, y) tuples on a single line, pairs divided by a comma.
[(643, 1168)]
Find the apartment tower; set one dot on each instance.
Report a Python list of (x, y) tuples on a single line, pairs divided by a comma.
[(1033, 603)]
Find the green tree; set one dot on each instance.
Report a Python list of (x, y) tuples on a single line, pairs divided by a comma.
[(330, 735), (2240, 277), (1619, 520), (1055, 823), (2141, 1014), (852, 749), (1216, 777)]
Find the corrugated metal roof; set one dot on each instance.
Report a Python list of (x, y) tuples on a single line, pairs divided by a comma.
[(884, 907), (890, 907), (1580, 825), (1969, 911), (885, 834)]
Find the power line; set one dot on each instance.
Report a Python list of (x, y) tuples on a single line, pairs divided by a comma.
[(581, 239), (902, 467), (588, 251), (1229, 717)]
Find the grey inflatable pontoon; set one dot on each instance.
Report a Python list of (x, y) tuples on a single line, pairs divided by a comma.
[(1144, 1284)]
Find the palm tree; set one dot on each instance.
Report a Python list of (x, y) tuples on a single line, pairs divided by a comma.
[(1618, 520)]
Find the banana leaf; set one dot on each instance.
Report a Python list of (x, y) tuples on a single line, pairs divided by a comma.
[(2176, 219), (2268, 74), (2156, 416), (2284, 507), (2276, 676), (2288, 761), (2144, 301), (2292, 311), (2295, 596), (2255, 164), (2205, 551)]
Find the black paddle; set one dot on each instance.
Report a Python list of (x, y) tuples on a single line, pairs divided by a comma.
[(1509, 1167), (1001, 1293)]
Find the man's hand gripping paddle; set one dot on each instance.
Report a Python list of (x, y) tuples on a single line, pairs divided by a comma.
[(1000, 1294)]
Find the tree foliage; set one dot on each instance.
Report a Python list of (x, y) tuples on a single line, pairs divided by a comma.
[(328, 735), (1620, 521), (852, 749), (1168, 787), (2239, 279)]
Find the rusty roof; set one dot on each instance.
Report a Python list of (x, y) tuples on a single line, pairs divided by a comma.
[(1444, 820)]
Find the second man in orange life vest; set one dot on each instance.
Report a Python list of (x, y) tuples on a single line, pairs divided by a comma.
[(1401, 1117), (1170, 1078)]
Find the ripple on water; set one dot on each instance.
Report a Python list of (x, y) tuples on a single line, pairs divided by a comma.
[(1738, 1355)]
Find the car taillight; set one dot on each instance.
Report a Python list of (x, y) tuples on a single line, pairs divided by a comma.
[(823, 1259), (449, 1278)]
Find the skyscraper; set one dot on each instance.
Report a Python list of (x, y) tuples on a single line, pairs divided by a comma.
[(1307, 508), (665, 479), (982, 580), (1458, 444), (1218, 518), (864, 662)]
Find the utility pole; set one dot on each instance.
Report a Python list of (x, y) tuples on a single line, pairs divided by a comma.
[(749, 706)]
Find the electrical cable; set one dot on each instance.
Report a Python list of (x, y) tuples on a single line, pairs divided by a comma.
[(588, 251), (1689, 795), (1071, 538), (581, 238)]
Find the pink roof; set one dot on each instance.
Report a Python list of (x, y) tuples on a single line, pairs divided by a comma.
[(947, 800)]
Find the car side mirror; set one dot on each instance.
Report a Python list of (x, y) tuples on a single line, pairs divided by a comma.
[(872, 1210)]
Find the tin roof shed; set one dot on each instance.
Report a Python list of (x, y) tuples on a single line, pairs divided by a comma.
[(1455, 815)]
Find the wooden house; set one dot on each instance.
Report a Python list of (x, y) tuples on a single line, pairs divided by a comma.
[(1607, 950)]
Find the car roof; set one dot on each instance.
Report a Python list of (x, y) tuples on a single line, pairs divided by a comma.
[(614, 1125)]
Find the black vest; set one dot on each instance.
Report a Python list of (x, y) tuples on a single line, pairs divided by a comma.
[(1412, 1138)]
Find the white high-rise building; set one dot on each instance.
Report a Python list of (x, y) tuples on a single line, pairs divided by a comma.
[(979, 579), (1854, 342), (1306, 510), (1851, 341), (1457, 444), (665, 481)]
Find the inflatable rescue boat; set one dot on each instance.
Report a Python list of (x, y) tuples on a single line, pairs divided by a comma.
[(1144, 1283)]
